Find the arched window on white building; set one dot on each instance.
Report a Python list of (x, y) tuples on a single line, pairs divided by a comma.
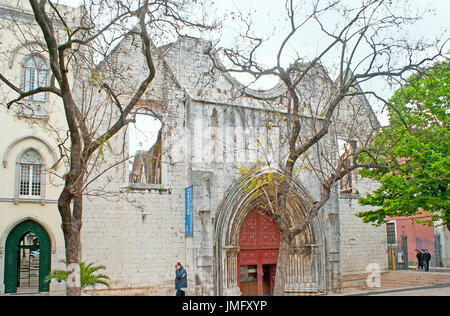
[(36, 71), (30, 175)]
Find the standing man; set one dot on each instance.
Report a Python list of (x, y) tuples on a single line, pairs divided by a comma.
[(419, 257), (180, 279), (426, 259)]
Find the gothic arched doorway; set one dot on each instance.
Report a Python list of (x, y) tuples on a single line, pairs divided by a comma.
[(259, 241), (307, 257), (27, 258)]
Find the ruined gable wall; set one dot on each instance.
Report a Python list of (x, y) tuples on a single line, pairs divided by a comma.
[(140, 235), (210, 136)]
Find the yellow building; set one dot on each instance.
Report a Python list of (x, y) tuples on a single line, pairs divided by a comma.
[(31, 238)]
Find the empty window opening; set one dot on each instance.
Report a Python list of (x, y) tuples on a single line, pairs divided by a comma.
[(145, 148), (347, 150)]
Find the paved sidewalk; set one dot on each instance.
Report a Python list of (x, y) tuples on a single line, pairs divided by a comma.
[(435, 290), (411, 282)]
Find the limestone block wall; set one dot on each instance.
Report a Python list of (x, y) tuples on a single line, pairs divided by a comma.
[(445, 246), (137, 231), (139, 247), (208, 137), (363, 246)]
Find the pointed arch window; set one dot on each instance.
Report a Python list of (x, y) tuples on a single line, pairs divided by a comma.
[(30, 175), (36, 71)]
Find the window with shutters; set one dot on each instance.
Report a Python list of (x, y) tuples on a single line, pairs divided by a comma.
[(391, 232), (36, 71)]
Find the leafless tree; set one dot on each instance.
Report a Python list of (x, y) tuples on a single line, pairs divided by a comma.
[(366, 43), (76, 46)]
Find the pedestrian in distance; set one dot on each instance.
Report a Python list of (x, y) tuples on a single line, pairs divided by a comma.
[(419, 257), (426, 260), (180, 280)]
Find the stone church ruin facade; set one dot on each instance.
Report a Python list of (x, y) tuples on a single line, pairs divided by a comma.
[(209, 132)]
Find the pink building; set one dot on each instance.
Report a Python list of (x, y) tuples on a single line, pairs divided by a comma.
[(419, 235)]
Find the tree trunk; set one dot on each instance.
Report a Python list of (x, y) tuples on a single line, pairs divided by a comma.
[(71, 224), (73, 265), (282, 265), (73, 246)]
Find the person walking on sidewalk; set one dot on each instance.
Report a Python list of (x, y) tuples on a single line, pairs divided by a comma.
[(180, 279), (426, 260)]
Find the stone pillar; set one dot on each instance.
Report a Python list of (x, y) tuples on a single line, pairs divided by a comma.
[(230, 271), (296, 270), (304, 274)]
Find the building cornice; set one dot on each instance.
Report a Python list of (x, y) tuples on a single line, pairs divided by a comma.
[(24, 15)]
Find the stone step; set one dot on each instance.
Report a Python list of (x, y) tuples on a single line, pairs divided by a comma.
[(357, 283), (413, 278)]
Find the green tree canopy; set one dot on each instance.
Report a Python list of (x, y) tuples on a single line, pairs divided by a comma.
[(413, 152)]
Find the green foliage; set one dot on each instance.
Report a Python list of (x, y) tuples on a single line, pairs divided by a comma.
[(414, 148), (87, 274)]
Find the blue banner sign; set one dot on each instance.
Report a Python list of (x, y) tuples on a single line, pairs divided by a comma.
[(188, 209)]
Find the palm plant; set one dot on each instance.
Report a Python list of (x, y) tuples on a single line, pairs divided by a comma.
[(88, 278)]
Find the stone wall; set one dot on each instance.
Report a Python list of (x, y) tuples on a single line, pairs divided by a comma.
[(208, 137)]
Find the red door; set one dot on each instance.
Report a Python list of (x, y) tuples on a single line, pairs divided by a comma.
[(259, 241)]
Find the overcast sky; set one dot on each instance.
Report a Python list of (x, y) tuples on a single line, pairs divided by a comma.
[(270, 18)]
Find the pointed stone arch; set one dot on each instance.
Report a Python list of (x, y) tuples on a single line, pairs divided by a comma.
[(25, 138), (306, 272)]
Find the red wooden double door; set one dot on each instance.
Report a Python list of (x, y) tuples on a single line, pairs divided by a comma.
[(259, 241)]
